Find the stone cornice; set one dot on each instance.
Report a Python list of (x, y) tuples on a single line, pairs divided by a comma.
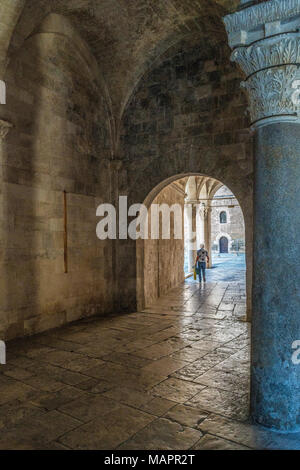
[(267, 12)]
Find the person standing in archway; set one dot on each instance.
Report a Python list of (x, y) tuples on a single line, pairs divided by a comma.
[(202, 257)]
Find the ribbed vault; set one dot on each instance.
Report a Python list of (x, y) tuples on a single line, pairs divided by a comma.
[(125, 36)]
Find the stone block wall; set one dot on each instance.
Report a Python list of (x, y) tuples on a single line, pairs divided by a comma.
[(162, 266), (188, 116), (234, 227), (60, 142)]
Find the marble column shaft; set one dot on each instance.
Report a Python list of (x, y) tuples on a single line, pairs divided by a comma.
[(266, 45)]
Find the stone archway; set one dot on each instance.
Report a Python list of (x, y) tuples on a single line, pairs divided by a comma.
[(172, 141), (144, 261)]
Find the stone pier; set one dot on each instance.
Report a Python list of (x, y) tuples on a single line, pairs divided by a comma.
[(266, 44)]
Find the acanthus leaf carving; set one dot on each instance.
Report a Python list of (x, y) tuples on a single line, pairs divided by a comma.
[(282, 50), (270, 93), (268, 51)]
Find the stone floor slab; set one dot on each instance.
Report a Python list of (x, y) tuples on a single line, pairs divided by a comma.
[(175, 376), (163, 434)]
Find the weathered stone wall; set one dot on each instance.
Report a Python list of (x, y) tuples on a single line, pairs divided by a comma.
[(162, 268), (188, 116), (60, 142), (10, 12), (234, 228)]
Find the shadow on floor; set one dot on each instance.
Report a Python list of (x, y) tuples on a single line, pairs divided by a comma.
[(175, 376)]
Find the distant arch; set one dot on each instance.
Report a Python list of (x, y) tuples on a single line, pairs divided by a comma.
[(223, 245), (225, 235)]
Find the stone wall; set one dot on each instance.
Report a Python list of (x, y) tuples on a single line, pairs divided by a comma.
[(162, 267), (234, 228), (10, 12), (60, 142), (187, 116)]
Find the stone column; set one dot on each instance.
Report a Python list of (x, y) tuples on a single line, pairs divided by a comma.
[(192, 235), (200, 224), (2, 92), (5, 127), (116, 246), (207, 233), (266, 42)]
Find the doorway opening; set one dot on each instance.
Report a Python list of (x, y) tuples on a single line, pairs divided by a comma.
[(223, 245), (205, 325), (213, 217)]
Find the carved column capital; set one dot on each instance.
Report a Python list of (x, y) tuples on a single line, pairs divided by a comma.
[(207, 211), (266, 43), (204, 211), (201, 209), (5, 126)]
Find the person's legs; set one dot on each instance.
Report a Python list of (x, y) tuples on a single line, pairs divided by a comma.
[(199, 269), (203, 266)]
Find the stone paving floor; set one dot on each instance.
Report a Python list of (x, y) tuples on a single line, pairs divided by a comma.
[(175, 376), (227, 267)]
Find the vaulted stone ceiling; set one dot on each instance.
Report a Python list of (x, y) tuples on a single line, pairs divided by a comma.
[(125, 36)]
